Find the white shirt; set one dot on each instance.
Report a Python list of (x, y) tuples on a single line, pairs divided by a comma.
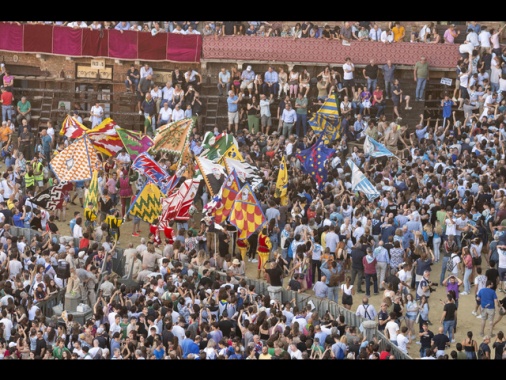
[(165, 113), (167, 93), (387, 37), (77, 232), (473, 38), (402, 342), (484, 38), (348, 75), (177, 114), (393, 329), (145, 72)]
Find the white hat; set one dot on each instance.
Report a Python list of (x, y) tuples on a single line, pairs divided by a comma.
[(248, 68), (81, 254), (236, 262), (209, 291), (100, 330), (11, 344)]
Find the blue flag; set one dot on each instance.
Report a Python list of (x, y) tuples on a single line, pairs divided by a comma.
[(359, 182), (376, 149), (313, 161)]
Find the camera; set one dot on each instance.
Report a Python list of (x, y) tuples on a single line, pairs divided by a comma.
[(432, 285)]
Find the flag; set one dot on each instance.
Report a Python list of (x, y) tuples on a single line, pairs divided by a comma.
[(52, 198), (225, 199), (135, 142), (172, 137), (246, 172), (177, 205), (233, 152), (105, 138), (77, 161), (282, 183), (313, 161), (326, 120), (147, 204), (246, 213), (145, 164), (215, 146), (92, 194), (376, 149), (72, 128), (187, 162), (213, 174), (360, 182)]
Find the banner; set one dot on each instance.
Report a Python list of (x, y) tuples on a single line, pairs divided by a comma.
[(313, 161), (213, 174), (177, 205), (105, 138), (72, 129), (246, 213), (359, 182), (92, 194), (52, 198), (135, 142), (172, 137), (282, 183), (147, 204)]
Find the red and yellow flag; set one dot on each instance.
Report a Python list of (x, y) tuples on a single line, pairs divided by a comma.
[(246, 214), (229, 191)]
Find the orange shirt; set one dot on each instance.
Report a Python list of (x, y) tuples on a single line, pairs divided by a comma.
[(5, 132), (398, 32)]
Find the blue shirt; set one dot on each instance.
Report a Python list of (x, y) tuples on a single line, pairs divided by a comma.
[(17, 220), (189, 347), (487, 298), (46, 143), (232, 107), (271, 77)]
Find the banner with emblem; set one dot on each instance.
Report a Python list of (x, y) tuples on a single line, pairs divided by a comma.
[(147, 204), (246, 213), (52, 198), (282, 183), (76, 162), (105, 138), (72, 129), (177, 205), (92, 193), (172, 137), (135, 142)]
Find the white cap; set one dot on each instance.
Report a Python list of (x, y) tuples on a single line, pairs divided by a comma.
[(11, 344), (247, 68)]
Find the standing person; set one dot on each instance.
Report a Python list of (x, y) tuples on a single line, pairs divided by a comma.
[(449, 317), (348, 290), (441, 341), (357, 265), (369, 262), (421, 76), (233, 112), (6, 98), (388, 70), (426, 339), (288, 118), (265, 113), (488, 302), (96, 114), (348, 78), (370, 73), (301, 104), (398, 97), (446, 105)]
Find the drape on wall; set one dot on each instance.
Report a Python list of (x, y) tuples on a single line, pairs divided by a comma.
[(62, 40)]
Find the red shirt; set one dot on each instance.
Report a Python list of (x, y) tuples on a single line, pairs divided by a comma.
[(7, 98)]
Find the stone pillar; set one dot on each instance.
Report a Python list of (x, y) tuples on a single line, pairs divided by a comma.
[(369, 329), (71, 302)]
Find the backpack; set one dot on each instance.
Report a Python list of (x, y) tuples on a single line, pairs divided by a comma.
[(451, 264), (340, 353), (481, 353)]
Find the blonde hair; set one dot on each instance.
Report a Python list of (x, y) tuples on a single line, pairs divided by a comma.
[(438, 229)]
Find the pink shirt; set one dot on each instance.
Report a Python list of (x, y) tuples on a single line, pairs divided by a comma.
[(111, 186)]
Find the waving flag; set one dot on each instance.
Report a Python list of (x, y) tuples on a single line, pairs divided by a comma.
[(282, 183), (135, 142), (171, 138), (213, 174), (77, 161), (92, 194), (376, 149), (52, 198), (246, 213), (221, 204), (360, 182), (216, 146), (313, 161), (233, 152), (72, 128), (146, 164), (177, 205), (147, 204), (326, 120), (187, 162), (245, 172), (105, 138)]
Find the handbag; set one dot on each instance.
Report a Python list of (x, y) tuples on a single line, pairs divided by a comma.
[(417, 319)]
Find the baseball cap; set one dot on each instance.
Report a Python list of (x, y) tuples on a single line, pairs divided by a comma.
[(247, 68)]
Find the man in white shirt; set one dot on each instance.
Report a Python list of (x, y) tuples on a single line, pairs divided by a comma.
[(178, 113), (146, 70), (472, 37), (484, 38), (348, 77), (387, 36), (165, 114), (167, 93)]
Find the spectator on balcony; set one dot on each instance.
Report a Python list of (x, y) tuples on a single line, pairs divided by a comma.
[(223, 81), (156, 28), (192, 30), (132, 78), (95, 25), (450, 34), (271, 82), (229, 28), (8, 80), (135, 26), (349, 77), (207, 30), (261, 31), (346, 32), (304, 81), (424, 31), (122, 25), (178, 29), (315, 32), (287, 31), (251, 31), (375, 33), (177, 96), (146, 70), (233, 112), (363, 34), (77, 24), (306, 28), (247, 78), (297, 31), (192, 78), (24, 109), (156, 94), (433, 38), (145, 28), (421, 76), (387, 36), (399, 32)]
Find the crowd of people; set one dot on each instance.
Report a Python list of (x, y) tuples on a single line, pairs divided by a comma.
[(441, 204)]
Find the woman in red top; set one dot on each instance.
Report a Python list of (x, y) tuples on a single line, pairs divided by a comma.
[(263, 249), (155, 231)]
